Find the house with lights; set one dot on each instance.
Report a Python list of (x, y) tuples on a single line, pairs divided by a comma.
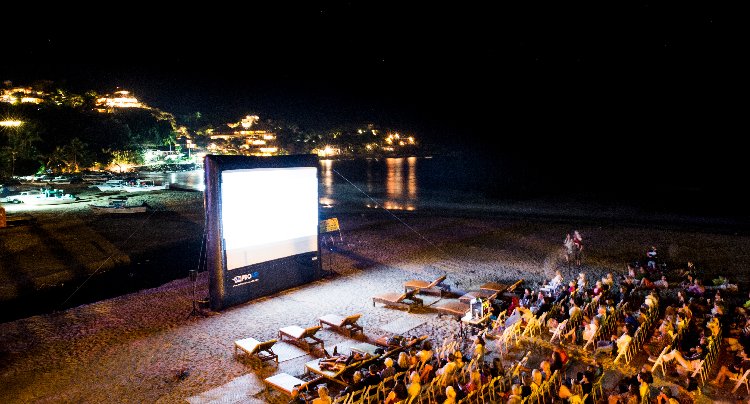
[(22, 95), (118, 99), (244, 139)]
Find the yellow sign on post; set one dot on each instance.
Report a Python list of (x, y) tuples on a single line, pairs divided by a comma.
[(329, 225)]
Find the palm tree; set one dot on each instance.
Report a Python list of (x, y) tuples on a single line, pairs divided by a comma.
[(76, 150), (21, 143)]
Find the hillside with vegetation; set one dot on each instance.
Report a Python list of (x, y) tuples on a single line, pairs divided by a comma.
[(47, 129)]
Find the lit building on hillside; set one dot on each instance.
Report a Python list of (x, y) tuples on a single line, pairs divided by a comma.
[(247, 141), (118, 99), (17, 95)]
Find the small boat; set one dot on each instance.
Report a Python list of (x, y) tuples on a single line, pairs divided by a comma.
[(111, 185), (44, 196), (96, 178), (143, 186), (119, 206)]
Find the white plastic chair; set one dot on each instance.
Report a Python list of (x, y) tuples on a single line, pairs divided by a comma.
[(742, 380)]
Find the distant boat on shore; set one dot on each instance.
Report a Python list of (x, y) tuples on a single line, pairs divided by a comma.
[(44, 196), (110, 185), (119, 206), (144, 185)]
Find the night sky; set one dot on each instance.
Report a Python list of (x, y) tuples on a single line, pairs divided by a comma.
[(622, 87)]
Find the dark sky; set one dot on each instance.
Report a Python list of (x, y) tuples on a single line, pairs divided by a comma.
[(578, 80)]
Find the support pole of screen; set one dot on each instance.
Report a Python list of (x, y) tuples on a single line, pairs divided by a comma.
[(196, 311)]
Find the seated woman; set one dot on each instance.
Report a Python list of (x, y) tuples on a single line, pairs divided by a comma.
[(628, 393), (558, 358), (357, 384), (479, 349), (662, 282), (474, 384), (539, 305), (527, 298), (515, 395), (323, 397), (450, 395), (689, 361), (696, 289), (740, 363), (571, 392), (616, 344), (590, 330), (609, 281), (582, 282), (398, 393), (598, 288), (554, 283)]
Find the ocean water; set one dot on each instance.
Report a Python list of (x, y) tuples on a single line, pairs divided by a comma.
[(515, 185)]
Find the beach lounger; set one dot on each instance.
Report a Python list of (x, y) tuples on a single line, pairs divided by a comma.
[(341, 375), (425, 286), (302, 336), (404, 300), (451, 307), (482, 293), (349, 323), (285, 383), (253, 347)]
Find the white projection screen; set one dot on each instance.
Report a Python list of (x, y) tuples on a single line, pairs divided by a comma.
[(268, 213), (262, 225)]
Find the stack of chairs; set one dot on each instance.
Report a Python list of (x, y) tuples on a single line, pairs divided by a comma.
[(534, 326), (509, 337)]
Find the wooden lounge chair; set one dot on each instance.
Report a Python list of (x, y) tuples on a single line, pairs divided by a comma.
[(425, 286), (348, 324), (451, 307), (302, 336), (285, 383), (342, 374), (253, 347), (482, 293), (405, 300)]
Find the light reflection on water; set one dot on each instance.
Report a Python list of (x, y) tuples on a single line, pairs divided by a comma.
[(390, 183)]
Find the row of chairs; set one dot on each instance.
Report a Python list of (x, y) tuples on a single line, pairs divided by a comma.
[(608, 326), (673, 344), (371, 394), (548, 390), (641, 334)]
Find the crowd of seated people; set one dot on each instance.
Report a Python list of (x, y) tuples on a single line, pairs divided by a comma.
[(695, 314)]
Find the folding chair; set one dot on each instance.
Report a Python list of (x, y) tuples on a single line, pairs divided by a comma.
[(557, 333), (700, 371), (660, 360), (370, 396), (742, 380)]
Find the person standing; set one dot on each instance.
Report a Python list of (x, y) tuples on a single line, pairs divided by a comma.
[(569, 249), (578, 247)]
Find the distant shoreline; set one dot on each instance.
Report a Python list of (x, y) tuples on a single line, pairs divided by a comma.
[(170, 241)]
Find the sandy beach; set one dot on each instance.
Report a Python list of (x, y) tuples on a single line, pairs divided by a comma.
[(145, 347)]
